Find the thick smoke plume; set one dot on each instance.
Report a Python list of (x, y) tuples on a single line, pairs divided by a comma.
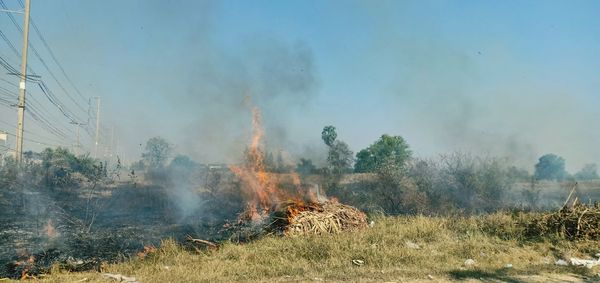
[(280, 77)]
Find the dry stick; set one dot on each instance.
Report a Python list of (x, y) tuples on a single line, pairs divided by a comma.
[(569, 197), (87, 205), (208, 243), (579, 222)]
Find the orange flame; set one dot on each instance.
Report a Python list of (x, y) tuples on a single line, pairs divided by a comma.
[(147, 250), (257, 184), (28, 263), (260, 187)]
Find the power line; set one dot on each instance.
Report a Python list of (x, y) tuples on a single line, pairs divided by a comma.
[(7, 66), (45, 123), (31, 133), (9, 82), (7, 92), (12, 47), (47, 92), (7, 148), (33, 140), (45, 43), (56, 102), (36, 110), (36, 114), (39, 57), (45, 112)]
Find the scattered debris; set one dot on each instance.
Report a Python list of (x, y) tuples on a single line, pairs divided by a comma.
[(119, 278), (358, 262), (74, 263), (412, 245), (589, 263), (429, 276), (561, 262), (508, 265), (469, 262)]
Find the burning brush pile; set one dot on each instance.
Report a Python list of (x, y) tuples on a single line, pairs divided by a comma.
[(297, 210), (316, 218), (291, 218)]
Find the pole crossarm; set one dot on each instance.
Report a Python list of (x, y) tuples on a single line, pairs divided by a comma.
[(13, 11)]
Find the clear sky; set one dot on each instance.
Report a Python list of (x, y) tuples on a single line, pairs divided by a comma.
[(506, 78)]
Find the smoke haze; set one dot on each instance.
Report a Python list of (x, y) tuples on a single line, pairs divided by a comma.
[(514, 80)]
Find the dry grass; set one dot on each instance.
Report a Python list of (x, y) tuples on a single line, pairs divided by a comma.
[(445, 243)]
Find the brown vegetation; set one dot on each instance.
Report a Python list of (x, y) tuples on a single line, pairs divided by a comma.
[(394, 249)]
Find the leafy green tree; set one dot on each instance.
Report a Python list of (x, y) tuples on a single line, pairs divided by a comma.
[(59, 165), (329, 135), (157, 152), (588, 172), (340, 158), (386, 149), (550, 167), (339, 162)]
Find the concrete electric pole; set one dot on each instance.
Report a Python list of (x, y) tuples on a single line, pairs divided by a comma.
[(21, 105), (97, 126), (78, 144)]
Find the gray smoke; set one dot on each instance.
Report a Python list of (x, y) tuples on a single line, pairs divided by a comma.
[(483, 99), (278, 77)]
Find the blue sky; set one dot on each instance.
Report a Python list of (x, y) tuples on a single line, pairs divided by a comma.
[(506, 78)]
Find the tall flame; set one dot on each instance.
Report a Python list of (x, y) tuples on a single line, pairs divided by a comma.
[(260, 187), (256, 182)]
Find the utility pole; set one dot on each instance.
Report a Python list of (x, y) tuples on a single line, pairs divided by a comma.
[(78, 144), (21, 105), (97, 125), (112, 145)]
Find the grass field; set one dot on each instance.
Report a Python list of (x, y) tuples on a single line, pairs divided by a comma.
[(388, 249)]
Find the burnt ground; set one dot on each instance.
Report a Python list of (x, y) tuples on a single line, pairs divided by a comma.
[(81, 229), (84, 226)]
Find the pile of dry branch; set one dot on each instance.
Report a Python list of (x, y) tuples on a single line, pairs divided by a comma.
[(574, 221), (579, 222), (297, 218)]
